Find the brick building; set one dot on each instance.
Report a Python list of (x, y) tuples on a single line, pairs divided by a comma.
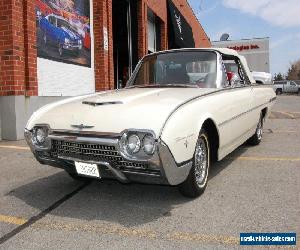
[(38, 63)]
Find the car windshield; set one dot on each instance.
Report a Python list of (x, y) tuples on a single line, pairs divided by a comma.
[(63, 24), (179, 69)]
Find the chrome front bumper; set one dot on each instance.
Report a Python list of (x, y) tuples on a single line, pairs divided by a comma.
[(72, 47), (160, 169)]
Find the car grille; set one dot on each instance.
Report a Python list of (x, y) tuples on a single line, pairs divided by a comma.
[(96, 153), (73, 43)]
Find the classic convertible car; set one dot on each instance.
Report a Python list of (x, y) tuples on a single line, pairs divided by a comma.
[(180, 111), (58, 32)]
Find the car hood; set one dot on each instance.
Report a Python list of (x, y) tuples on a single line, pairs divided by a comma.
[(115, 111)]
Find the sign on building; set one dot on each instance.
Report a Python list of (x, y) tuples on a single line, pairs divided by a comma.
[(256, 51)]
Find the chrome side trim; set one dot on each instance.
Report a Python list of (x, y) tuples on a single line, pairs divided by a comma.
[(198, 97), (182, 104), (244, 113)]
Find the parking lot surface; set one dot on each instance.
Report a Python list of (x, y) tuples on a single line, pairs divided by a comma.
[(255, 189)]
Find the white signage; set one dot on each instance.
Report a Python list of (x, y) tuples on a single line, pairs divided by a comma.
[(256, 51), (105, 39)]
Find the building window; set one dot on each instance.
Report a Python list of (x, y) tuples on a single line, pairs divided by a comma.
[(151, 32)]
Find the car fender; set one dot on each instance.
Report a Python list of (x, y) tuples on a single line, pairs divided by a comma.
[(182, 128)]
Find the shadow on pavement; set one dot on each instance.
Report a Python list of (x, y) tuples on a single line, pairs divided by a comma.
[(109, 200)]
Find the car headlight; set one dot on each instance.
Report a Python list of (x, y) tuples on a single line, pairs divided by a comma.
[(149, 144), (137, 144), (79, 42), (40, 139), (40, 135), (67, 40), (133, 144)]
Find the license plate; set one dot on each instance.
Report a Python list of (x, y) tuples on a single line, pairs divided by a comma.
[(87, 169)]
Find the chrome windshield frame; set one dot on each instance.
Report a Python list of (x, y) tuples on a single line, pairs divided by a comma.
[(219, 69)]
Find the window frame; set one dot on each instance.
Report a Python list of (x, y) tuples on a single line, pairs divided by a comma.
[(245, 81)]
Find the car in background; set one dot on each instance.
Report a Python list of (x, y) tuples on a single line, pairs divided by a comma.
[(262, 77), (58, 32), (286, 86)]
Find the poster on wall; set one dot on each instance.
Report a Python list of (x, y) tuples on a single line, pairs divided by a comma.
[(63, 31)]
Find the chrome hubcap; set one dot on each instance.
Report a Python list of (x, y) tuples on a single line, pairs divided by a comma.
[(201, 162)]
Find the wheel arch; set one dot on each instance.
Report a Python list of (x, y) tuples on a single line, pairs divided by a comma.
[(264, 112), (259, 82), (213, 136)]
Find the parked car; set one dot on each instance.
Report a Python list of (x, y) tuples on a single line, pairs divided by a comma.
[(262, 77), (162, 128), (58, 32), (286, 87)]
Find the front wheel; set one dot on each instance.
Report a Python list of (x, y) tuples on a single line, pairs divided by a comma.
[(45, 38), (196, 181), (60, 49), (257, 137)]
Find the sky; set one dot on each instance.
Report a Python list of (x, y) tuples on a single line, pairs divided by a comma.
[(241, 19)]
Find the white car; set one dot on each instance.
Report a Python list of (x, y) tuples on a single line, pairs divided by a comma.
[(165, 127), (262, 77), (286, 86)]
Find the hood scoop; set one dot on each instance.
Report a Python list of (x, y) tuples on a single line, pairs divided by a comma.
[(98, 103)]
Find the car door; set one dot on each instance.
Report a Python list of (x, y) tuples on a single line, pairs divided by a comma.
[(293, 87), (240, 104)]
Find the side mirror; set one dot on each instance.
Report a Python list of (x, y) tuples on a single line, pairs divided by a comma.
[(233, 79)]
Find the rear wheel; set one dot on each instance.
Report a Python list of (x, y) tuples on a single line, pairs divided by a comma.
[(257, 137), (278, 91), (196, 181)]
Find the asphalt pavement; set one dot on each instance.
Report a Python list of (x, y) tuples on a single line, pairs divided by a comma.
[(255, 189)]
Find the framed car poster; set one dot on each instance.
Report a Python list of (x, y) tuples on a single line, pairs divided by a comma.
[(63, 31)]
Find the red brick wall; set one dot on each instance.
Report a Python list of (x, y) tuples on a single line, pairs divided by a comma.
[(12, 80), (30, 49), (104, 71), (142, 29), (17, 48)]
